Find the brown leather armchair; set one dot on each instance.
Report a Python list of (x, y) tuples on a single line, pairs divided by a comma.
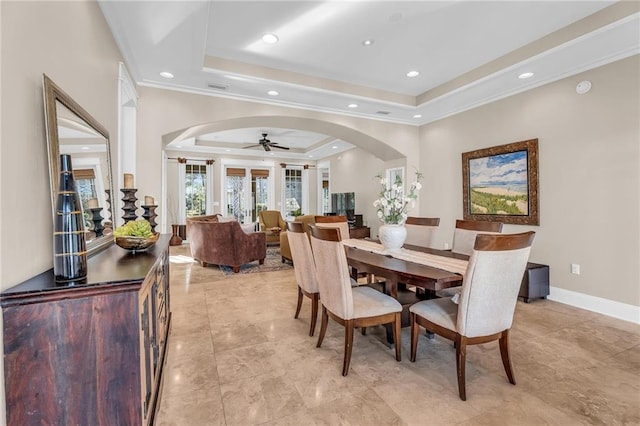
[(285, 248), (224, 243), (271, 223)]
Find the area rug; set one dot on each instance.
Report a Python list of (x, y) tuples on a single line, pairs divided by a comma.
[(273, 262)]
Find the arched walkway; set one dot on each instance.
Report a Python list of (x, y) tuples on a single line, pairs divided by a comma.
[(376, 147)]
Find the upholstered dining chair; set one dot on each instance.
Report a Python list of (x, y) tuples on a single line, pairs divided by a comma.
[(304, 268), (420, 230), (464, 236), (271, 223), (351, 307), (485, 309), (339, 222)]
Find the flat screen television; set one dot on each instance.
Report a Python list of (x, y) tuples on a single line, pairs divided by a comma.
[(344, 204)]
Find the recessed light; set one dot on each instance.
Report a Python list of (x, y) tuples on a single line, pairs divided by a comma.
[(273, 93), (413, 74), (334, 147), (311, 156), (85, 147), (353, 105), (368, 42), (417, 116), (270, 38), (178, 146), (525, 75), (166, 74), (227, 150)]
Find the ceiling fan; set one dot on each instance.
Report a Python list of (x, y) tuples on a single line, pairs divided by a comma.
[(266, 144)]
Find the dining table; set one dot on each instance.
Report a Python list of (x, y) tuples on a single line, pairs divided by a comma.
[(397, 270), (426, 268)]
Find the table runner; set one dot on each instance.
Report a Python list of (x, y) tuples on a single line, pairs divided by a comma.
[(458, 266)]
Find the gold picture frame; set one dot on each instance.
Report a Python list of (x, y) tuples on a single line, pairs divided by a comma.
[(500, 184)]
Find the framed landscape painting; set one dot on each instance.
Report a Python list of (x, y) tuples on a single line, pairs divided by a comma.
[(500, 184)]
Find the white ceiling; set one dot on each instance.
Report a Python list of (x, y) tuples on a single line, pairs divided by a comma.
[(468, 53)]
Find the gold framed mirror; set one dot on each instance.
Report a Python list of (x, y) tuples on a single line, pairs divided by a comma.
[(72, 130)]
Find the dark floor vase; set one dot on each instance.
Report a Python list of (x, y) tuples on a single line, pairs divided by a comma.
[(69, 245)]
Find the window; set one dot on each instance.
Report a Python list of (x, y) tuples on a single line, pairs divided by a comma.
[(396, 175), (259, 192), (195, 185), (236, 193), (85, 184), (292, 192)]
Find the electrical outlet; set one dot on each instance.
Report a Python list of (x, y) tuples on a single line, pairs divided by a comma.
[(446, 246), (575, 268)]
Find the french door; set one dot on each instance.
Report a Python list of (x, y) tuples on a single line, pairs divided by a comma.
[(247, 192)]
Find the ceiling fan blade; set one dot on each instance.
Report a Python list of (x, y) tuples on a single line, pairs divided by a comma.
[(266, 147), (281, 147), (251, 146)]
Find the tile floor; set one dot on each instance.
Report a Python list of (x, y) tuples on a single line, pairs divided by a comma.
[(236, 356)]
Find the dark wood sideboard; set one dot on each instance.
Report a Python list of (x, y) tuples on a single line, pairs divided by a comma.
[(359, 232), (89, 354)]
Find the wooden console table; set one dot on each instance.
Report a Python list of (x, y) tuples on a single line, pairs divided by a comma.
[(359, 232), (89, 354)]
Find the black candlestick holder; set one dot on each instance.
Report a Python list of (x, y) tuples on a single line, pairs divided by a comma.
[(150, 215), (96, 218), (129, 207), (108, 200)]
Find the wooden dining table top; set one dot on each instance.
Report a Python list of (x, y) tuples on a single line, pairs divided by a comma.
[(402, 271)]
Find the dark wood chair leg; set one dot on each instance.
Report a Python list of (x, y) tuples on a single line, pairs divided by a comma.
[(300, 296), (323, 326), (236, 269), (261, 261), (461, 356), (363, 330), (397, 336), (348, 345), (506, 360), (314, 312), (415, 329)]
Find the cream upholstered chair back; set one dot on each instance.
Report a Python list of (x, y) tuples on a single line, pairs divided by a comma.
[(420, 230), (339, 222), (464, 236), (491, 283), (303, 264), (332, 271)]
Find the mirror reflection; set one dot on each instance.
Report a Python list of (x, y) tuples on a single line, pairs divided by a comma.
[(71, 130)]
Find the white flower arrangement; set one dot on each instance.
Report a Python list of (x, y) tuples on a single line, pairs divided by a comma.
[(393, 204)]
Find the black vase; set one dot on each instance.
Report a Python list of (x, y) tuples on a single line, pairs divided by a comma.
[(69, 245)]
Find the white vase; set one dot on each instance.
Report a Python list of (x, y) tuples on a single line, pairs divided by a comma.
[(392, 237)]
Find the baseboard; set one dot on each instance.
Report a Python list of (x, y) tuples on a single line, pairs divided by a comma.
[(607, 307)]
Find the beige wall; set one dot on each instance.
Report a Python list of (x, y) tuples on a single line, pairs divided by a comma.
[(355, 171), (72, 44), (589, 180)]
